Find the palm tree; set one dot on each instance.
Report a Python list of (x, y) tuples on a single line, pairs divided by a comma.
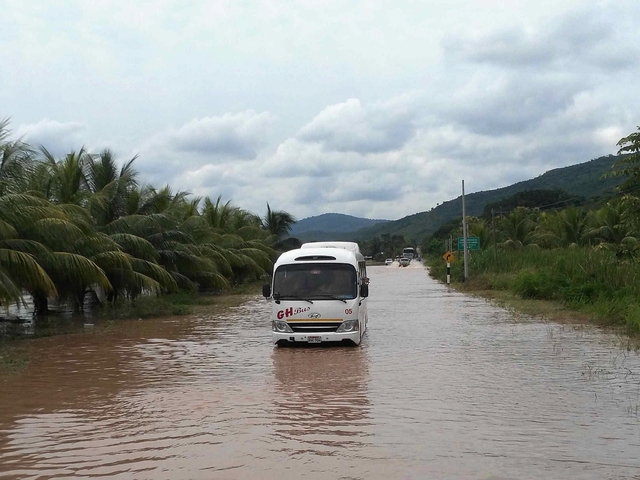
[(610, 223), (110, 186), (54, 236), (478, 228), (629, 165), (225, 218), (19, 270), (69, 177), (566, 228), (517, 229), (277, 223), (15, 161)]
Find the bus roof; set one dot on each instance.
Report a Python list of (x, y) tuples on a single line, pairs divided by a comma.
[(320, 254), (353, 246)]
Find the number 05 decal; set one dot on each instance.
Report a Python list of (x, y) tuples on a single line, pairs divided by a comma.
[(348, 311)]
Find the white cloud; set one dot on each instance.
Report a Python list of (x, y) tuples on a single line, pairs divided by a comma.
[(59, 138), (348, 127), (223, 141)]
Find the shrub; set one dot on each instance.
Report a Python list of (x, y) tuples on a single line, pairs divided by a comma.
[(533, 284), (632, 318)]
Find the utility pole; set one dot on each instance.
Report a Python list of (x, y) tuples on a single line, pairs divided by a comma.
[(464, 235)]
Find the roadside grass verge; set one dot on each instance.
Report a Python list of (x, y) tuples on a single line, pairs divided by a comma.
[(591, 284), (182, 303), (13, 357)]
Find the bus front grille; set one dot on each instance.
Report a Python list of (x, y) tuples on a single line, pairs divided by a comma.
[(310, 327)]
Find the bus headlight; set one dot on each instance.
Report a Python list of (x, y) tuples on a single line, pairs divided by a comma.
[(348, 326), (281, 326)]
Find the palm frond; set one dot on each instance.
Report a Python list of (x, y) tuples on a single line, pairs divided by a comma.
[(57, 233), (123, 224), (25, 271), (113, 260), (261, 258), (10, 293), (75, 270), (31, 247), (7, 231), (136, 246), (155, 271), (136, 282)]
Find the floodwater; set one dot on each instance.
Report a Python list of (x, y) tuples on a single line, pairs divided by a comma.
[(443, 386)]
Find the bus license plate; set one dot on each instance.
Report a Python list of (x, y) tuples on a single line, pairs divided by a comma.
[(314, 339)]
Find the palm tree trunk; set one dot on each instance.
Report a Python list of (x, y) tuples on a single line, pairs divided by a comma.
[(40, 303)]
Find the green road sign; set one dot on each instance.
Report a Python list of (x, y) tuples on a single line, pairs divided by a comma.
[(473, 243)]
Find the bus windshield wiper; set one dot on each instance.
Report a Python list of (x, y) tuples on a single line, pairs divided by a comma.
[(278, 297), (328, 295)]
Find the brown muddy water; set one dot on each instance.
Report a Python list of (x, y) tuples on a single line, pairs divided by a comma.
[(443, 386)]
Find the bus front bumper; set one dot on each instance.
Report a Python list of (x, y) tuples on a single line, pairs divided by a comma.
[(311, 338)]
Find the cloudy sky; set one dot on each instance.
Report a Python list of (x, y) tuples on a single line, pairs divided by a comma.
[(371, 108)]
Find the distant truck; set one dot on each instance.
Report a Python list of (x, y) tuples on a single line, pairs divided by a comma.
[(409, 252)]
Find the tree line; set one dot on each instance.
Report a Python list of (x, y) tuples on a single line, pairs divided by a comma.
[(551, 219), (84, 223)]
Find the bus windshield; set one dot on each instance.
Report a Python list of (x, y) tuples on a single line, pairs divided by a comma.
[(315, 281)]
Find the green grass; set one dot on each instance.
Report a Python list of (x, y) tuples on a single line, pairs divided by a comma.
[(13, 357), (183, 303), (584, 280)]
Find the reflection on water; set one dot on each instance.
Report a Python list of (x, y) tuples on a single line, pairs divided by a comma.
[(443, 386), (19, 320), (320, 399)]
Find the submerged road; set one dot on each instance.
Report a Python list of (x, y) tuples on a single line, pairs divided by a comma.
[(444, 386)]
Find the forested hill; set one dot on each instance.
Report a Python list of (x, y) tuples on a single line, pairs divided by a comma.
[(582, 180), (332, 226)]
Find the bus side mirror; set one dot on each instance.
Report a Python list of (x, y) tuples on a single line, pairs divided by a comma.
[(364, 290), (266, 291)]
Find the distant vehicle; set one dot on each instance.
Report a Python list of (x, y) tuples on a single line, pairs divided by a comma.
[(409, 252), (319, 294), (388, 261), (404, 261)]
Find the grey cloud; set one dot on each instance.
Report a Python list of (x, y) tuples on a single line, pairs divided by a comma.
[(578, 39), (369, 192), (516, 103), (237, 135), (337, 192), (349, 127)]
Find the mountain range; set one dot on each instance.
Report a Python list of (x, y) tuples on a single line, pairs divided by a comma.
[(581, 180), (331, 226)]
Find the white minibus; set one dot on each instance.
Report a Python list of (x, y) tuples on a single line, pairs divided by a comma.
[(319, 294)]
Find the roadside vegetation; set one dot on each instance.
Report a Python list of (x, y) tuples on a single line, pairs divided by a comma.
[(585, 257), (84, 226)]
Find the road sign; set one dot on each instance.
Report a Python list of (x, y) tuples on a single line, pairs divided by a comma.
[(448, 257), (473, 243)]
